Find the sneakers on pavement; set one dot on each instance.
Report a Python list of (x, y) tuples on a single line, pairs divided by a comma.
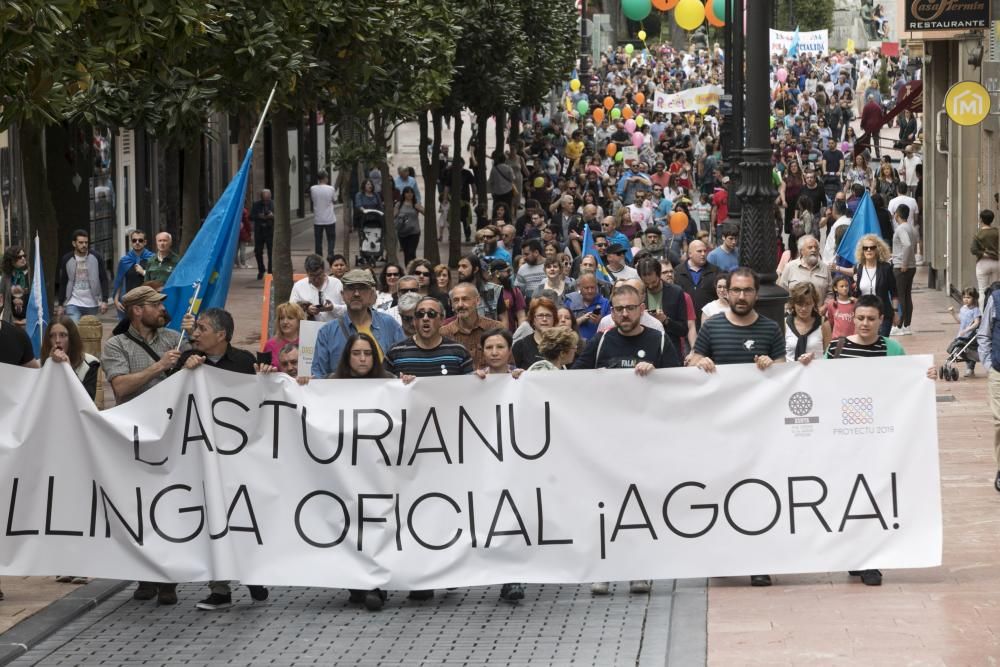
[(421, 595), (905, 331), (599, 588), (760, 580), (216, 601), (970, 373), (375, 599), (512, 592), (146, 590), (896, 331), (65, 579), (639, 586), (258, 593), (166, 594)]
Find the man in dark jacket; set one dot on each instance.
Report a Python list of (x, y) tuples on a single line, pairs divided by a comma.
[(664, 302), (696, 276)]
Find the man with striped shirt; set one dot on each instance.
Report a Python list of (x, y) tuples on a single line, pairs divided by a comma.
[(427, 354), (740, 336)]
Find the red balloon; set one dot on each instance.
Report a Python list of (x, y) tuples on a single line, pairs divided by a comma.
[(665, 5), (609, 102)]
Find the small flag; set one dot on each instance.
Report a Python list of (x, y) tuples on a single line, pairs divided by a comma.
[(865, 221), (208, 261), (793, 50), (850, 45), (37, 320), (590, 249)]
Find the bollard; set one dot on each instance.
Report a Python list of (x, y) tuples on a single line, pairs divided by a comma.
[(92, 333)]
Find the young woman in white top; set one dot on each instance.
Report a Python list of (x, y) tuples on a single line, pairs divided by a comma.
[(721, 304)]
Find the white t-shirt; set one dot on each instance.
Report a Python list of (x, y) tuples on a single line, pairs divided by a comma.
[(903, 199), (82, 295), (323, 197), (830, 247), (305, 291)]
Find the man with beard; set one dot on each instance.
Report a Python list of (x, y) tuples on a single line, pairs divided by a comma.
[(470, 270), (740, 336), (515, 306), (211, 345), (814, 192), (489, 247), (136, 361), (359, 293), (807, 268), (468, 326), (664, 301)]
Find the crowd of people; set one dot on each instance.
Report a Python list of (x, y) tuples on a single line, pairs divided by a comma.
[(587, 259)]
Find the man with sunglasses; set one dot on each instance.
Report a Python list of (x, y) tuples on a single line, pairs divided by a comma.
[(131, 269), (359, 294)]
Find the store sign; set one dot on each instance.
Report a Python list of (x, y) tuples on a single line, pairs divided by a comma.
[(946, 14), (967, 103)]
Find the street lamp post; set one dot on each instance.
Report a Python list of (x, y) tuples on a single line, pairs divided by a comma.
[(734, 87), (758, 242), (583, 72)]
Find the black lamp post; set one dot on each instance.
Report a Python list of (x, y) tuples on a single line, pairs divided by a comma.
[(733, 142), (758, 242), (583, 72)]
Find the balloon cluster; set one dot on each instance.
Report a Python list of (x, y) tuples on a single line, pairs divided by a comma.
[(689, 14)]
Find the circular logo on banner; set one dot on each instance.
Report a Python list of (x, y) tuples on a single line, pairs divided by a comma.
[(967, 103), (800, 403)]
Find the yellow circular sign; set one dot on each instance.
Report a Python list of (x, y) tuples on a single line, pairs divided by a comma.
[(967, 103)]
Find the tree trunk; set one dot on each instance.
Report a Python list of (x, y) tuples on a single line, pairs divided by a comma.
[(455, 187), (389, 239), (344, 188), (282, 212), (499, 128), (481, 120), (515, 126), (191, 193), (41, 212), (428, 167)]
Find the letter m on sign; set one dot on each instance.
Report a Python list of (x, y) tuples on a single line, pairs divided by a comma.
[(968, 102)]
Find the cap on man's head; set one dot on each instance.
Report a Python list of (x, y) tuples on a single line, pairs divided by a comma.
[(358, 277), (499, 265), (142, 295), (616, 249), (653, 229)]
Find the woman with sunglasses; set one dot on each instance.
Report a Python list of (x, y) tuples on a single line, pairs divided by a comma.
[(873, 275), (388, 285), (424, 271), (13, 274)]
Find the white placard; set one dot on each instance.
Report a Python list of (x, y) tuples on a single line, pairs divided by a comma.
[(308, 330)]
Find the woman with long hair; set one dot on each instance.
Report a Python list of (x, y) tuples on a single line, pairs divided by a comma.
[(442, 278), (807, 335), (288, 316), (407, 215), (62, 343), (886, 180), (427, 286), (542, 314), (873, 275), (13, 281), (858, 173), (388, 284)]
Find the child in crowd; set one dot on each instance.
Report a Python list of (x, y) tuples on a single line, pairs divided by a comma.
[(968, 319), (839, 311)]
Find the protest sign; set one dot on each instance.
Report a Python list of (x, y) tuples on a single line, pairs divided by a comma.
[(308, 330), (816, 42), (693, 99), (570, 476)]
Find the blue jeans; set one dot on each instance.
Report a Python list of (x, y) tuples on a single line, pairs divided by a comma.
[(76, 312)]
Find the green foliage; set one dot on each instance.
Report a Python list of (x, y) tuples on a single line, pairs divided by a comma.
[(808, 14), (551, 31)]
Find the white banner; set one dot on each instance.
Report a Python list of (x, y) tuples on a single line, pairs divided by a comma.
[(570, 476), (816, 42), (692, 99)]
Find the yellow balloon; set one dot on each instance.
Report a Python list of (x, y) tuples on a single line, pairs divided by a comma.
[(642, 35), (689, 14), (574, 85), (639, 121)]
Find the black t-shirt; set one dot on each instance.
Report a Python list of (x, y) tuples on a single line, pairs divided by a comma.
[(613, 350), (816, 197), (465, 188), (834, 160), (15, 346)]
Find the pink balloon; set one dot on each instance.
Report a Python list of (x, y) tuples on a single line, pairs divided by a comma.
[(782, 74), (638, 139), (630, 125), (845, 147)]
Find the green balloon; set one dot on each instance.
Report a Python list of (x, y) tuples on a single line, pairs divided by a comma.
[(636, 10), (616, 113), (582, 107), (772, 122), (619, 156), (629, 49)]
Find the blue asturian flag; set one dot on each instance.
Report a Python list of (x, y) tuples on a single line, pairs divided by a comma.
[(590, 249), (37, 320), (865, 221), (201, 278), (793, 50)]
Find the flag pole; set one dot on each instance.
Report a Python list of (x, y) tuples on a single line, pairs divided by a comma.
[(263, 115), (194, 300)]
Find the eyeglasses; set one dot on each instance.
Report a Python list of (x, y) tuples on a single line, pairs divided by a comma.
[(407, 290), (140, 241), (406, 318), (392, 275), (423, 274), (631, 308), (741, 291), (489, 237), (426, 314), (21, 256), (868, 247), (355, 288)]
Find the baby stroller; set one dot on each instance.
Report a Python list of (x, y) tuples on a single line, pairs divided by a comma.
[(961, 350), (370, 238)]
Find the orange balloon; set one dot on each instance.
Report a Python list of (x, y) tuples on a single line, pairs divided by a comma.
[(598, 115), (609, 102), (627, 112), (713, 20), (612, 149), (678, 222), (640, 99), (665, 5)]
